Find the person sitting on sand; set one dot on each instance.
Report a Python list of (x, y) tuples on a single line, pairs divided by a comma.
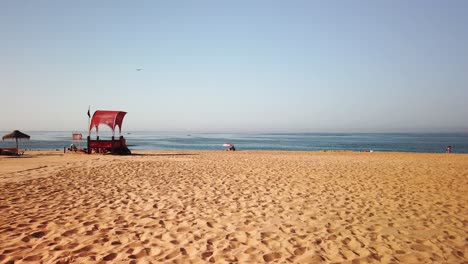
[(72, 148), (231, 148), (123, 141)]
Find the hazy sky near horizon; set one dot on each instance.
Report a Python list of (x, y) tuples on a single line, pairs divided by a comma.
[(308, 66)]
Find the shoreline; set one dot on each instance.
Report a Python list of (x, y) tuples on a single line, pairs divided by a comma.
[(251, 150)]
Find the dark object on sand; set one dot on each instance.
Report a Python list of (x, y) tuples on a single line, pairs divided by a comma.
[(112, 119), (230, 146)]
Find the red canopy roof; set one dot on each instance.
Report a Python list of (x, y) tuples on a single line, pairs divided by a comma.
[(109, 118)]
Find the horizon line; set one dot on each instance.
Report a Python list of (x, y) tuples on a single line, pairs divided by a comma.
[(464, 131)]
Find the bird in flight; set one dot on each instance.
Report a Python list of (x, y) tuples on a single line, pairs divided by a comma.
[(139, 69)]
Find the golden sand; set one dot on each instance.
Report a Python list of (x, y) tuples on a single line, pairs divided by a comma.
[(197, 207)]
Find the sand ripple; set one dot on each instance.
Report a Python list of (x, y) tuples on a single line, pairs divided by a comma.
[(220, 207)]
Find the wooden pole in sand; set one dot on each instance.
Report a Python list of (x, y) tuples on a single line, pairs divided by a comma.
[(89, 130), (89, 120)]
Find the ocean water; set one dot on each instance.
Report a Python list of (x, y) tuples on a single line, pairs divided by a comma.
[(405, 142)]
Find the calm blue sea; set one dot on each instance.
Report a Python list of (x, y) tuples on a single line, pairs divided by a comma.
[(406, 142)]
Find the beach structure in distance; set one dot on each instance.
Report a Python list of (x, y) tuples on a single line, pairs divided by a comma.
[(112, 119), (16, 135), (77, 137)]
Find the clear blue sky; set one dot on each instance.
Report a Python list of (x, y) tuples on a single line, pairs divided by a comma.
[(309, 66)]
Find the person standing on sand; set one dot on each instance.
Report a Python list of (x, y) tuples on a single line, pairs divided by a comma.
[(123, 141)]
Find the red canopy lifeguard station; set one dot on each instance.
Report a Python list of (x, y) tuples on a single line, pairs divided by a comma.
[(111, 119)]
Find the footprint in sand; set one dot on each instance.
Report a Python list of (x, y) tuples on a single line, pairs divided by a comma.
[(110, 257), (58, 248), (310, 259), (300, 251), (33, 258), (207, 254), (422, 248), (250, 250), (69, 232), (38, 234), (144, 252), (173, 254), (271, 256), (83, 249)]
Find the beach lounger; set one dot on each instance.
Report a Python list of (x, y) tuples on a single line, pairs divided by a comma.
[(11, 152)]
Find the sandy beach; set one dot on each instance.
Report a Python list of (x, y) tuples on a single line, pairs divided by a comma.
[(224, 207)]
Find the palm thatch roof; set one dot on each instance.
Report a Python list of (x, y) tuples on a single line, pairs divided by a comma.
[(16, 135)]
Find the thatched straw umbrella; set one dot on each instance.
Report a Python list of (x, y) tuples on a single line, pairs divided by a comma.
[(16, 135)]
